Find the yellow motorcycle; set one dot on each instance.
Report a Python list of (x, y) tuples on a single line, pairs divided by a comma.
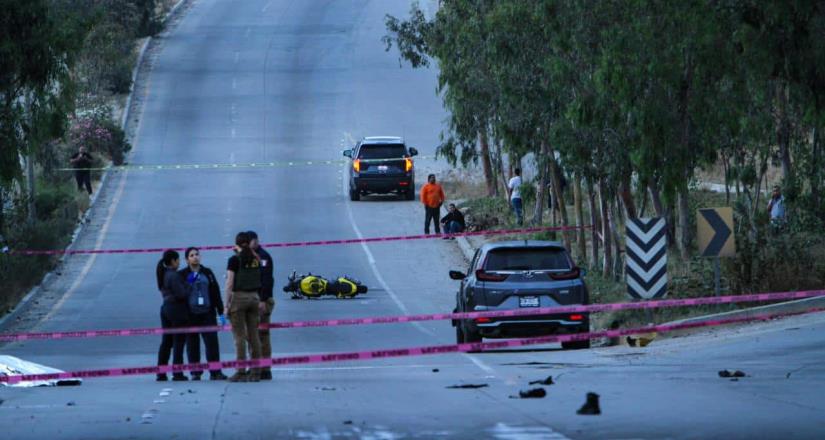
[(314, 286)]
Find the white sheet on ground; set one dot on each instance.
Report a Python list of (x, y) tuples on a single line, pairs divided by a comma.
[(12, 366)]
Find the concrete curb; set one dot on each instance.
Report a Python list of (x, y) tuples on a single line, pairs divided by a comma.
[(21, 305), (465, 247), (799, 305)]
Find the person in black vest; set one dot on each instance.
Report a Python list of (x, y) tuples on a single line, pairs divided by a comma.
[(174, 312), (205, 306), (81, 161), (243, 282), (267, 300)]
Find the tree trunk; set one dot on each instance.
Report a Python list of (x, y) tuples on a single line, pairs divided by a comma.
[(594, 226), (627, 197), (503, 176), (541, 193), (577, 201), (816, 178), (684, 223), (607, 262), (558, 194), (32, 215), (484, 147), (783, 129), (618, 267)]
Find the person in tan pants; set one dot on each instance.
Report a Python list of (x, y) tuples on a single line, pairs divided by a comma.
[(243, 282)]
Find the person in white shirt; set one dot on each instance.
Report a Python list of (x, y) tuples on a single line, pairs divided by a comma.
[(515, 196)]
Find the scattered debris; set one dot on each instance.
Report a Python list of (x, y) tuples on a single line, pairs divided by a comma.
[(533, 393), (731, 373), (591, 406), (435, 370), (348, 422), (13, 366), (547, 381), (128, 419), (325, 388), (468, 386), (71, 403), (641, 340)]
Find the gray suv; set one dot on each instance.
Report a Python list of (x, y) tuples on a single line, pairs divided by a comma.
[(381, 164), (517, 275)]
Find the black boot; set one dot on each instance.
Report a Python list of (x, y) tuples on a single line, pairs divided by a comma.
[(591, 406), (266, 374)]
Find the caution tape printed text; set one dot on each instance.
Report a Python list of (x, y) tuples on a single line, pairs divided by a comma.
[(298, 243), (389, 353), (592, 308)]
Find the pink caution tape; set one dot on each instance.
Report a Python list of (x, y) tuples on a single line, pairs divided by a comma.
[(389, 353), (298, 243), (592, 308)]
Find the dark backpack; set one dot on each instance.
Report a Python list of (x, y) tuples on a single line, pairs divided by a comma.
[(248, 276), (199, 299)]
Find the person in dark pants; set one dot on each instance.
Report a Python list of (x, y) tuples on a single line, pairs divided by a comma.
[(81, 160), (205, 304), (453, 222), (174, 312), (267, 303), (432, 196), (243, 285)]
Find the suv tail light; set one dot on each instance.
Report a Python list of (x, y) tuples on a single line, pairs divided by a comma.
[(570, 275), (356, 165), (576, 317), (481, 275), (408, 164)]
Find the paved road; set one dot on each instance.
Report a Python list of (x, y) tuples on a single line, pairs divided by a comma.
[(260, 80)]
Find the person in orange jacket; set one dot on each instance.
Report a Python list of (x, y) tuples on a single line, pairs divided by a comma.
[(432, 196)]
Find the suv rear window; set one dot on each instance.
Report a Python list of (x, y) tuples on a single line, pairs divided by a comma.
[(396, 151), (548, 258)]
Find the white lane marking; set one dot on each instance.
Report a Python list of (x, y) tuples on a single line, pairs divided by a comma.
[(369, 367), (233, 132), (237, 56), (98, 244), (507, 432), (234, 83), (477, 362)]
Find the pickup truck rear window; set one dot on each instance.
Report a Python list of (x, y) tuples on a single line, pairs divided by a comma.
[(382, 152), (549, 258)]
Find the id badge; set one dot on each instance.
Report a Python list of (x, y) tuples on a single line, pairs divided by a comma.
[(263, 263), (200, 300)]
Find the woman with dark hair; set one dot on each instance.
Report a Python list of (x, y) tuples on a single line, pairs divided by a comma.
[(205, 305), (173, 313), (243, 281)]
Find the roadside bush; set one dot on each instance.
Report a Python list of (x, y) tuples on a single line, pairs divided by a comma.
[(100, 134)]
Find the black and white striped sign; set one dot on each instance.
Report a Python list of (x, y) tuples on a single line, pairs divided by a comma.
[(646, 245)]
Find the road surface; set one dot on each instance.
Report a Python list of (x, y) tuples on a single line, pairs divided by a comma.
[(277, 80)]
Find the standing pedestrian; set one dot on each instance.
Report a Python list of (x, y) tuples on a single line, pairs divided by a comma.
[(243, 282), (454, 221), (776, 208), (515, 195), (205, 308), (267, 303), (174, 312), (82, 161), (432, 196)]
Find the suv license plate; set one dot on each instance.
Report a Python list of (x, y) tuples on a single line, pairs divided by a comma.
[(383, 168), (528, 301)]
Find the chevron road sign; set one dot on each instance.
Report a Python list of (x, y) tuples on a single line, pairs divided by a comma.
[(714, 231), (646, 246)]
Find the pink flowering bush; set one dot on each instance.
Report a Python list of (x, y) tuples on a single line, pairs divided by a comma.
[(99, 135)]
